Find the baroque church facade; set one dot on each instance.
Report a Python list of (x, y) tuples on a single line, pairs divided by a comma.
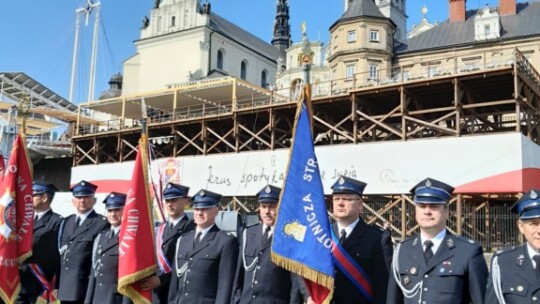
[(184, 40)]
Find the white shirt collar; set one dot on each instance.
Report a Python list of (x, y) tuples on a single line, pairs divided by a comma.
[(204, 232), (532, 252), (348, 229), (176, 221), (269, 232), (40, 214), (84, 216), (116, 229), (437, 240)]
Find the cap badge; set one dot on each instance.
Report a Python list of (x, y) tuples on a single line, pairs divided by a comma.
[(83, 183), (428, 183), (267, 189), (534, 195), (111, 196), (341, 181), (168, 186), (201, 193)]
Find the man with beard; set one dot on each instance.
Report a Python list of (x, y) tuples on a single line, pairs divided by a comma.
[(102, 288), (365, 247), (43, 265), (436, 266), (205, 258), (76, 241), (176, 199), (515, 271)]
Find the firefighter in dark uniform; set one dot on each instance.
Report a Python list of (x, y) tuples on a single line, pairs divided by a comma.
[(44, 263), (205, 258), (175, 198), (258, 280), (515, 271), (75, 243), (436, 266), (364, 244), (103, 284)]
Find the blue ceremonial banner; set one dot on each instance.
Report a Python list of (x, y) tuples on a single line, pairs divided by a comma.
[(303, 240)]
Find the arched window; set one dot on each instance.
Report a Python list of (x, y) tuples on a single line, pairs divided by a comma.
[(264, 82), (243, 70), (220, 60)]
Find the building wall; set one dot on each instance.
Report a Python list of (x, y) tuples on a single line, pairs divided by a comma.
[(361, 52), (235, 53), (465, 59), (168, 59)]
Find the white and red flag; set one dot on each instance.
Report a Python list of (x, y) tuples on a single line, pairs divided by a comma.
[(16, 219)]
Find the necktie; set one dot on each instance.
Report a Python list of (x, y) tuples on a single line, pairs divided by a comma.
[(536, 259), (198, 237), (77, 223), (428, 253), (342, 236), (36, 218), (111, 234), (266, 233)]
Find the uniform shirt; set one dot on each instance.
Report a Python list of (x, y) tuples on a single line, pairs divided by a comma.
[(203, 232), (532, 252), (348, 229), (173, 223), (84, 216), (40, 214), (437, 240)]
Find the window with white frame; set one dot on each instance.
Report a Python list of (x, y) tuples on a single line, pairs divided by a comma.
[(351, 36), (374, 35), (373, 71), (173, 21), (487, 30), (350, 69)]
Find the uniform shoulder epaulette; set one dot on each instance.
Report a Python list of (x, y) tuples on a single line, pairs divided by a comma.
[(251, 225), (409, 239), (505, 250), (465, 240)]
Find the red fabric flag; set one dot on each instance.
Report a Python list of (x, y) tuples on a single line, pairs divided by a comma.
[(137, 256), (2, 167), (16, 219)]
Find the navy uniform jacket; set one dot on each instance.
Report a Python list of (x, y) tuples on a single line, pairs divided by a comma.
[(44, 253), (457, 273), (367, 246), (206, 271), (76, 255), (264, 282), (518, 280), (170, 236), (103, 284)]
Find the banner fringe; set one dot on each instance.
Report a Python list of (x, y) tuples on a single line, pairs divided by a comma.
[(304, 271), (124, 284)]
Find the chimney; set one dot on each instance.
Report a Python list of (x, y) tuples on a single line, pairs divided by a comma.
[(507, 7), (457, 10)]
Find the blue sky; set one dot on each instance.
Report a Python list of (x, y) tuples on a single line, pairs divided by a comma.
[(38, 35)]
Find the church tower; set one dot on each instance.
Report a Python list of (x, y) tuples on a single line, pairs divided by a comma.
[(395, 10), (282, 28)]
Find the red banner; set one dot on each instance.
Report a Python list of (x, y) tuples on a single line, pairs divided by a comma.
[(137, 258), (2, 167), (16, 219)]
